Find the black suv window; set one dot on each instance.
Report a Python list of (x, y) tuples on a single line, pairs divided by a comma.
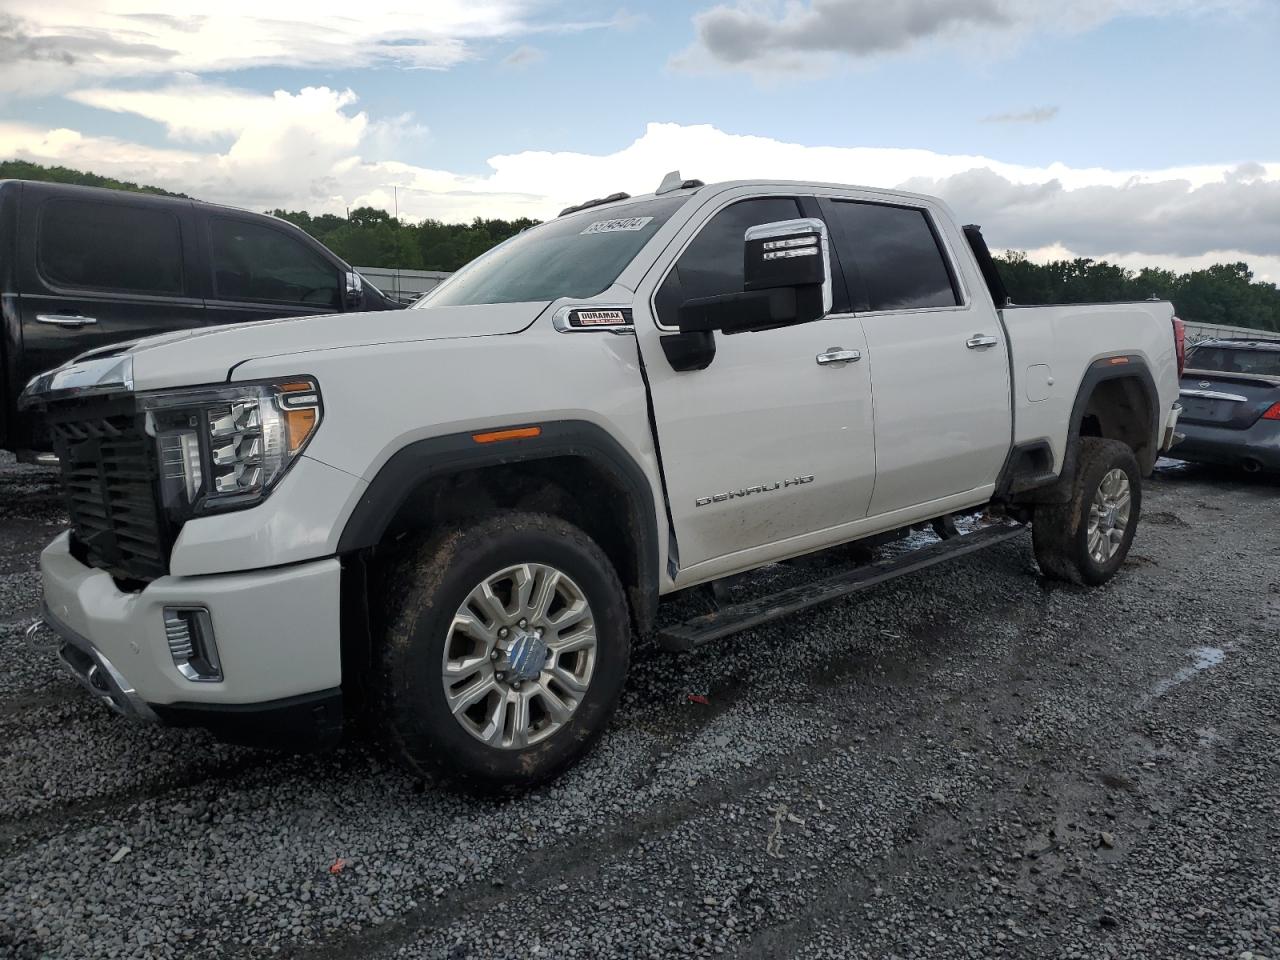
[(255, 262), (713, 264), (897, 254), (109, 246)]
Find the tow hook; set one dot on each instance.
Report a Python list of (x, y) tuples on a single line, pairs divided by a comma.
[(32, 634)]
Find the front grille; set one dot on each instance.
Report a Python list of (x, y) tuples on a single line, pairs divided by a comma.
[(109, 485)]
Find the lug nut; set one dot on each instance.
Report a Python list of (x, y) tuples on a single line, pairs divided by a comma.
[(540, 631), (523, 624), (494, 655), (503, 632)]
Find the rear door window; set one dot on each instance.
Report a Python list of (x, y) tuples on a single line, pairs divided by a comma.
[(110, 246), (896, 254), (252, 261)]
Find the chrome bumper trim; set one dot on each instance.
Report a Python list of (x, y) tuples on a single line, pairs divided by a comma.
[(92, 670)]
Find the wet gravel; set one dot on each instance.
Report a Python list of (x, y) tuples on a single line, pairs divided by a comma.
[(968, 762)]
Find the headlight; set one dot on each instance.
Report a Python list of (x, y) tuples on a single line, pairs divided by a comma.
[(224, 448)]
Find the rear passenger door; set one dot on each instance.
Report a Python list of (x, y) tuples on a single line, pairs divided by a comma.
[(937, 354), (259, 270), (97, 270)]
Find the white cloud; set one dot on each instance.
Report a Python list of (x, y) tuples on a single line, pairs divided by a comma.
[(53, 45), (197, 111), (313, 150), (790, 35)]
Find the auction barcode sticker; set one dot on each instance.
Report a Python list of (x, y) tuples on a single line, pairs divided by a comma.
[(617, 226)]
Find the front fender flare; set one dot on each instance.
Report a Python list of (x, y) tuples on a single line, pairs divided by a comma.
[(435, 457)]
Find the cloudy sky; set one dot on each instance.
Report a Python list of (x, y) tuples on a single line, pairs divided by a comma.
[(1143, 131)]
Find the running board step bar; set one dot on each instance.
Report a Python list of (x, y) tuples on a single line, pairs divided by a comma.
[(682, 637)]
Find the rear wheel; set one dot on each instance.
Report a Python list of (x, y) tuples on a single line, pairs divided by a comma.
[(506, 650), (1086, 539)]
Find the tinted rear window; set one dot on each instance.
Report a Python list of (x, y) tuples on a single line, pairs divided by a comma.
[(110, 246), (896, 253), (1264, 363)]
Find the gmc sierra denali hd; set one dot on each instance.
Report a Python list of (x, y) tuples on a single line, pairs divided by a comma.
[(455, 518)]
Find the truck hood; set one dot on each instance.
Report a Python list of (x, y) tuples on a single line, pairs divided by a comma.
[(210, 354)]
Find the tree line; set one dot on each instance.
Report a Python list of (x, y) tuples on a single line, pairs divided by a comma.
[(369, 237), (1226, 293)]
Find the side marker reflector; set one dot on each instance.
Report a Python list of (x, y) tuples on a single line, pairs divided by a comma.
[(497, 436)]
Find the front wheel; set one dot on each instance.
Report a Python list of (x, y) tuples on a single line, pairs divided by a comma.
[(1086, 539), (506, 650)]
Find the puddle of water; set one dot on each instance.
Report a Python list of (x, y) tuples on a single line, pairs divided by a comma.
[(1205, 659)]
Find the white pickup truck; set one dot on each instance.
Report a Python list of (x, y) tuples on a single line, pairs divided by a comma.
[(453, 519)]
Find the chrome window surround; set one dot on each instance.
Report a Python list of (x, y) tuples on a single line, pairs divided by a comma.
[(944, 243)]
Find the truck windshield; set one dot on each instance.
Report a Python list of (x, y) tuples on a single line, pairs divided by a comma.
[(579, 255), (1264, 363)]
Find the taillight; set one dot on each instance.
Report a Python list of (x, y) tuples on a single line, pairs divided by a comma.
[(1180, 344), (1273, 413)]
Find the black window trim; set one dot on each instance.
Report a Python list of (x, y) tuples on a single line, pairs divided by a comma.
[(958, 286), (716, 209), (216, 299), (111, 293)]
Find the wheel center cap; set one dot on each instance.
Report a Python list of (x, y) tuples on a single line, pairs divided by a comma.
[(527, 655)]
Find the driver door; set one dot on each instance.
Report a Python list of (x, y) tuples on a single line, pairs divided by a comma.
[(767, 447)]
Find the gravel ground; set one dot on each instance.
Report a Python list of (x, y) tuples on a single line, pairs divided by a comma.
[(968, 762)]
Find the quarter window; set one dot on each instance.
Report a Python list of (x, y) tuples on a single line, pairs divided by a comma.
[(110, 246), (897, 255), (714, 263), (256, 262)]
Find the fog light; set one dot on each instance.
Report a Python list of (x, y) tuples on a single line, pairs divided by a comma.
[(189, 631)]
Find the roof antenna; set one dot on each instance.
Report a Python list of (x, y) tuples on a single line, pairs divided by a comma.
[(672, 181)]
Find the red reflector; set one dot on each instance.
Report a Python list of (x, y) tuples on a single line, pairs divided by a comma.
[(1273, 413), (1180, 344), (496, 436)]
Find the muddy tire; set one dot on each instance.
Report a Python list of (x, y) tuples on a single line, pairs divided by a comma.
[(505, 650), (1086, 539)]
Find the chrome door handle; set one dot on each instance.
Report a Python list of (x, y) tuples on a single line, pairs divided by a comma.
[(65, 320), (980, 340), (838, 355)]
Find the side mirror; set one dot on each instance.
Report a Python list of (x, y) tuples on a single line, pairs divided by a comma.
[(794, 254), (787, 280), (354, 295)]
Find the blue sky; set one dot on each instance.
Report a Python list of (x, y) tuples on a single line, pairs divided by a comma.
[(1163, 111)]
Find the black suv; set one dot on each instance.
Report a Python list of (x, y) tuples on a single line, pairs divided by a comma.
[(82, 267), (1231, 405)]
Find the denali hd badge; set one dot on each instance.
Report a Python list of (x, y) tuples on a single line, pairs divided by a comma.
[(748, 491)]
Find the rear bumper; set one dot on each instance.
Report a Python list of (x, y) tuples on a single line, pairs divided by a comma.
[(1260, 444)]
